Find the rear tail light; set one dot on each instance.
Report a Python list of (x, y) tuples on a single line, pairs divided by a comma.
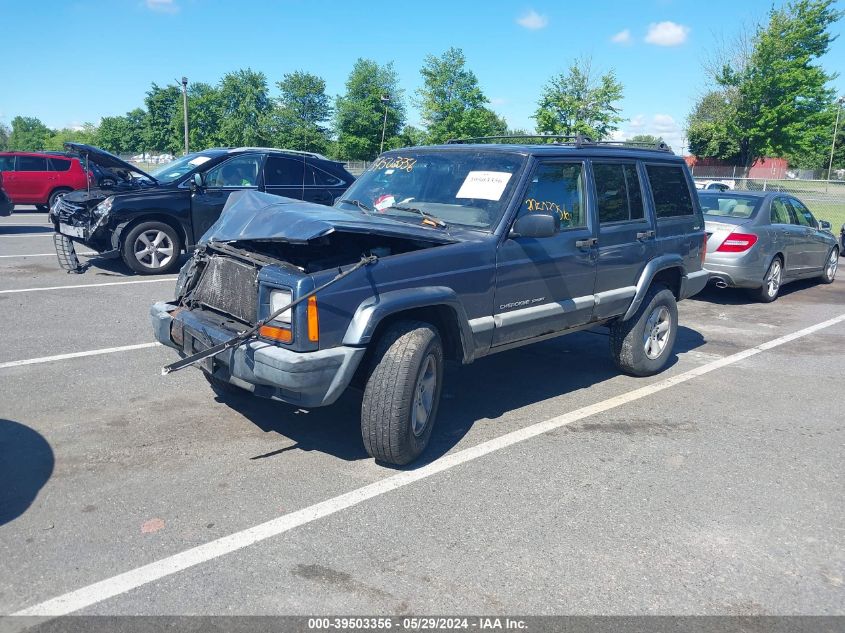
[(737, 243), (703, 248)]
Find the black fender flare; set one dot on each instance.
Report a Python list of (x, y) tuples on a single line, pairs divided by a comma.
[(374, 310), (651, 269)]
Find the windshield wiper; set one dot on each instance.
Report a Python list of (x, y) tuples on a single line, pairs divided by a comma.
[(425, 214), (358, 204)]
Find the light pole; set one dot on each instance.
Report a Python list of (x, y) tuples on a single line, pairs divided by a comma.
[(185, 108), (840, 101), (385, 99)]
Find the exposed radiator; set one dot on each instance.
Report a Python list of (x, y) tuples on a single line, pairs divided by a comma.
[(229, 286)]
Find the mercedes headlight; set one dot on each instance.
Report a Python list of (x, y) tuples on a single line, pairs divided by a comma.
[(104, 207), (279, 299)]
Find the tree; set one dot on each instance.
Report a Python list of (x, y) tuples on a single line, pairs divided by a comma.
[(409, 137), (161, 104), (4, 136), (28, 134), (648, 139), (775, 99), (360, 112), (245, 105), (86, 134), (205, 113), (298, 120), (112, 133), (578, 102), (452, 103)]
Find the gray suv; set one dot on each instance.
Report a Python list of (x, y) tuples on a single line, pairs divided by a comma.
[(439, 253)]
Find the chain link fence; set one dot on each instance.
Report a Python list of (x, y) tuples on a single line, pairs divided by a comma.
[(825, 198)]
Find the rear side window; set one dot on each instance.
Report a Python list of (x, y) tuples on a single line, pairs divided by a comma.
[(283, 172), (32, 163), (7, 163), (59, 164), (618, 192), (323, 178), (670, 191), (557, 188)]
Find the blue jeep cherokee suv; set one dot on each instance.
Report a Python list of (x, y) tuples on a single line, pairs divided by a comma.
[(469, 249)]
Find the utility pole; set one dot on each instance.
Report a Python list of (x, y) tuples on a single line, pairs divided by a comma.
[(385, 99), (185, 108), (840, 101)]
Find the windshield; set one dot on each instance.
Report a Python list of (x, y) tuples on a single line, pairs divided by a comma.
[(729, 206), (438, 188), (173, 171)]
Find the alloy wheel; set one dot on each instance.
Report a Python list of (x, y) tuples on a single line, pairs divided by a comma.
[(424, 392), (772, 280), (656, 333), (832, 264), (153, 249)]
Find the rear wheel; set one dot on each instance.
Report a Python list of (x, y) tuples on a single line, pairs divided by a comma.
[(772, 280), (642, 345), (151, 248), (831, 265), (402, 394)]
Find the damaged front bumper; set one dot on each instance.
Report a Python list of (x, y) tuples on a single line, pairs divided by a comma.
[(306, 379), (74, 223)]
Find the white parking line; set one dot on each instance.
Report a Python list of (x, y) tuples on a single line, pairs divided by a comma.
[(108, 283), (92, 352), (2, 224), (43, 234), (134, 578), (45, 254)]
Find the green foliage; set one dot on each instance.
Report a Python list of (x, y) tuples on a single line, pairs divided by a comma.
[(775, 99), (452, 103), (87, 135), (28, 134), (299, 118), (205, 113), (123, 134), (158, 130), (646, 138), (410, 137), (245, 105), (4, 136), (360, 112), (576, 102)]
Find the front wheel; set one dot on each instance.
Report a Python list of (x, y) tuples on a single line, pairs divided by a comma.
[(402, 393), (772, 280), (830, 266), (151, 248), (642, 345)]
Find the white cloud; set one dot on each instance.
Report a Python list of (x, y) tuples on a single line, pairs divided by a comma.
[(622, 37), (662, 125), (533, 20), (162, 6), (667, 34)]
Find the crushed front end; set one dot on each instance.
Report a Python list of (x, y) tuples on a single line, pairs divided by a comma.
[(81, 217)]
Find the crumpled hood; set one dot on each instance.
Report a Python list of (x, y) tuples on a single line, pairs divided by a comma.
[(251, 215)]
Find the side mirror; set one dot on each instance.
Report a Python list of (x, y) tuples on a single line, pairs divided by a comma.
[(536, 225), (197, 182), (824, 225)]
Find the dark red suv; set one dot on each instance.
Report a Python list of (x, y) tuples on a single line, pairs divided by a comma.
[(39, 179)]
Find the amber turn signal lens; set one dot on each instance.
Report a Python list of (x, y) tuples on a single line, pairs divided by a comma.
[(276, 333), (313, 321)]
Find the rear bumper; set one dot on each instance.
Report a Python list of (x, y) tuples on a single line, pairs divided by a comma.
[(307, 379), (743, 272), (693, 283)]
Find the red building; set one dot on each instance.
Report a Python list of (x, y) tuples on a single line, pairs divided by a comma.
[(773, 168)]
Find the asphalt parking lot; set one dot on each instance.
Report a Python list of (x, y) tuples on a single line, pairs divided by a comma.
[(713, 488)]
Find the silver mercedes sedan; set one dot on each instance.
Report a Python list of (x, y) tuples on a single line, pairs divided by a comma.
[(762, 240)]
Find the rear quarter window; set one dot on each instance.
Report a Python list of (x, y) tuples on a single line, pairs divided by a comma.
[(59, 164), (670, 191)]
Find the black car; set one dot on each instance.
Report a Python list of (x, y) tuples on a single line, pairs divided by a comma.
[(149, 219), (6, 205)]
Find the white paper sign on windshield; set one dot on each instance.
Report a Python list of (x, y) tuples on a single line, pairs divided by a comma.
[(199, 160), (485, 185)]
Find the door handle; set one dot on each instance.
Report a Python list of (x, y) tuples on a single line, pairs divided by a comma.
[(644, 235), (588, 243)]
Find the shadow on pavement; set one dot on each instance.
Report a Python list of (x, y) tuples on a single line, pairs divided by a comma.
[(485, 390), (740, 296), (26, 463)]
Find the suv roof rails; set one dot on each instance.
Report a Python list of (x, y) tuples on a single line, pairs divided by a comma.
[(276, 149), (578, 140)]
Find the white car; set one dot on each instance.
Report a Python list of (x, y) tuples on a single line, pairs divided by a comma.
[(715, 185)]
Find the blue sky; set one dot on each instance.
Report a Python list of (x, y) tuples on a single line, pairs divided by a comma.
[(84, 59)]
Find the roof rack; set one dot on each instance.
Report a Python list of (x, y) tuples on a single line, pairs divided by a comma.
[(274, 149), (578, 140)]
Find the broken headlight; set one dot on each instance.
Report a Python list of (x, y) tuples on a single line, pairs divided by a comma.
[(279, 299), (104, 207)]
